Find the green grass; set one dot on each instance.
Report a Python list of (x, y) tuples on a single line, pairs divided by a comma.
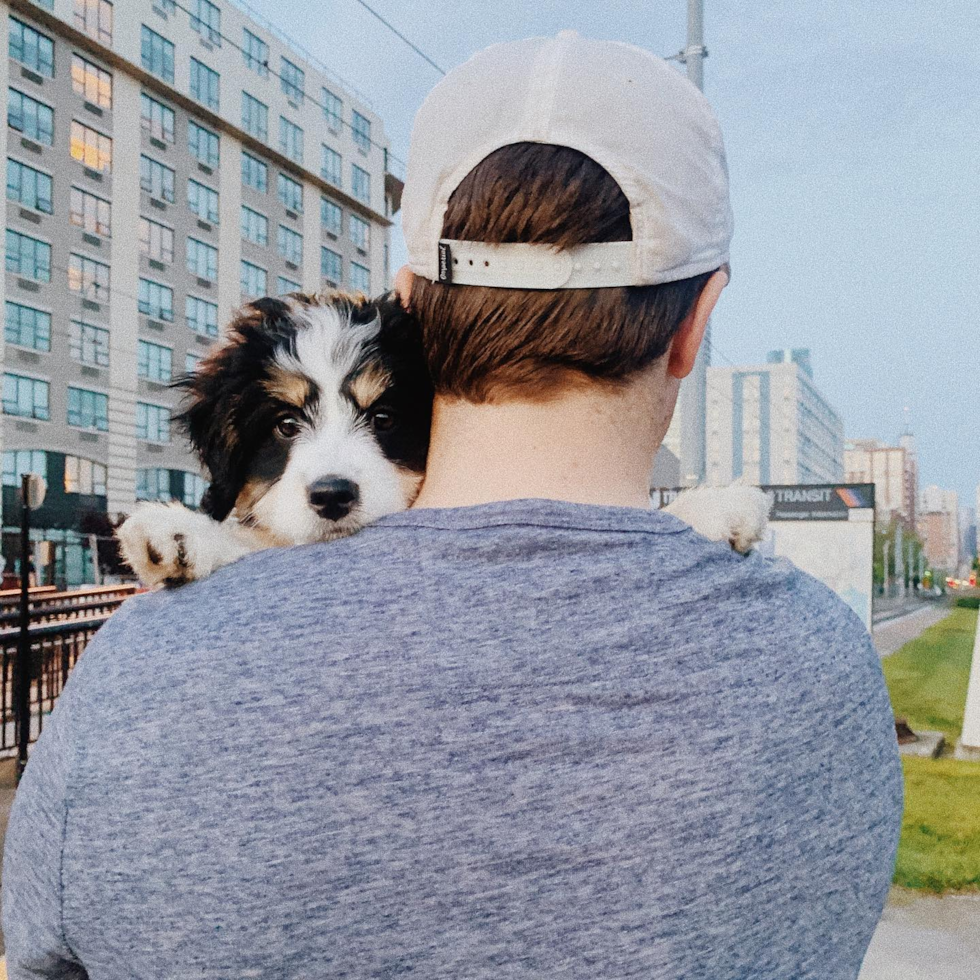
[(927, 678), (940, 845)]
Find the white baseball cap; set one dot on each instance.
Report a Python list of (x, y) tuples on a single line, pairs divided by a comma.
[(626, 109)]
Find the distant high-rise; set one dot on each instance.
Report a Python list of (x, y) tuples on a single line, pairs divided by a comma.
[(164, 162), (893, 470), (769, 423), (938, 527)]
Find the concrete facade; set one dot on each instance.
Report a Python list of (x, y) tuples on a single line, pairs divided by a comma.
[(769, 424), (938, 525), (892, 469), (157, 220)]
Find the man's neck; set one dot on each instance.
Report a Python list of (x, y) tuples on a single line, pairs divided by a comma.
[(590, 445)]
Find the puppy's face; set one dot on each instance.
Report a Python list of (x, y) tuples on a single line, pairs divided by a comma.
[(313, 416)]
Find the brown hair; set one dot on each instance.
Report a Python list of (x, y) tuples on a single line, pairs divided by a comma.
[(483, 344)]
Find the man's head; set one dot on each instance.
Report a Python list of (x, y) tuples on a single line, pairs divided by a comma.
[(566, 206)]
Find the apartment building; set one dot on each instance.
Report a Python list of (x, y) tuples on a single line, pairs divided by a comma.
[(769, 424), (164, 162), (894, 471), (939, 528)]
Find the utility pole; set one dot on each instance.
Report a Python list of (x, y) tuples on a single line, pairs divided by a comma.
[(899, 560), (695, 52), (888, 545)]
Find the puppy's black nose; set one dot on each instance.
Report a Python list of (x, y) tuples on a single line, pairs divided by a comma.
[(333, 497)]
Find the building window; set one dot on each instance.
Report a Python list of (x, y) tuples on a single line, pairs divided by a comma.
[(29, 187), (157, 54), (284, 285), (88, 277), (290, 245), (201, 316), (206, 20), (202, 259), (191, 361), (92, 83), (331, 216), (31, 48), (255, 226), (203, 201), (292, 78), (26, 397), (330, 166), (255, 173), (90, 147), (255, 117), (360, 278), (156, 118), (152, 422), (32, 118), (156, 300), (361, 131), (17, 463), (360, 232), (290, 139), (90, 213), (204, 145), (290, 193), (331, 266), (88, 409), (28, 257), (89, 344), (94, 17), (194, 487), (153, 484), (156, 241), (154, 362), (360, 183), (205, 84), (27, 327), (85, 476), (255, 52), (253, 280), (156, 179), (333, 110)]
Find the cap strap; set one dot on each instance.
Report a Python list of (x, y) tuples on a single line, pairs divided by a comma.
[(521, 266)]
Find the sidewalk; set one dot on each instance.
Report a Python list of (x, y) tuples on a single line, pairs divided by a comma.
[(893, 634), (925, 937)]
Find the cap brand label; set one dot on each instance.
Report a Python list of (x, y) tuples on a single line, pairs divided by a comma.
[(445, 263)]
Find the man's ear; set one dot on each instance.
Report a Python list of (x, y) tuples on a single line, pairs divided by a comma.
[(403, 286), (690, 334)]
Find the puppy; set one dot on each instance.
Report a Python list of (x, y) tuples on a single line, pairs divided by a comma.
[(312, 418)]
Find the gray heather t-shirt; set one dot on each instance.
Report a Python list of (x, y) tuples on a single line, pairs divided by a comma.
[(528, 739)]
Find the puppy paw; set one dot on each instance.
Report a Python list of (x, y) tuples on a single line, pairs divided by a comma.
[(168, 544), (736, 514)]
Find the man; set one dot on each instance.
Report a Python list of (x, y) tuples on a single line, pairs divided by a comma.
[(529, 728)]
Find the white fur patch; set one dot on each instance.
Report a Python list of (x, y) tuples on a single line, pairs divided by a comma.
[(337, 443)]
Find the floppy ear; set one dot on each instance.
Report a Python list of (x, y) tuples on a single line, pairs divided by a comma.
[(219, 396), (207, 421)]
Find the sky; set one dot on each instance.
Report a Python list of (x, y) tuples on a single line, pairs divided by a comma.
[(853, 139)]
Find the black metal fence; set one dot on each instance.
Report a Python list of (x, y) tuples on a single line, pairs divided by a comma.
[(61, 625)]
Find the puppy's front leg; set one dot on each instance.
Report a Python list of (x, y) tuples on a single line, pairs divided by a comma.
[(169, 544), (736, 514)]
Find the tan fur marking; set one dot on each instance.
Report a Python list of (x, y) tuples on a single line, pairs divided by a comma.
[(370, 385), (292, 388)]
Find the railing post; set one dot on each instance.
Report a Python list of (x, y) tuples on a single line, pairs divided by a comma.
[(22, 666)]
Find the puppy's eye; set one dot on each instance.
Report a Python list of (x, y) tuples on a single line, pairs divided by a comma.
[(287, 427), (383, 419)]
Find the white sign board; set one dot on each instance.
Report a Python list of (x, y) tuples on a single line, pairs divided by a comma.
[(827, 530)]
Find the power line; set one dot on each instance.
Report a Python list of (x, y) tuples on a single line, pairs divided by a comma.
[(357, 134), (394, 30)]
